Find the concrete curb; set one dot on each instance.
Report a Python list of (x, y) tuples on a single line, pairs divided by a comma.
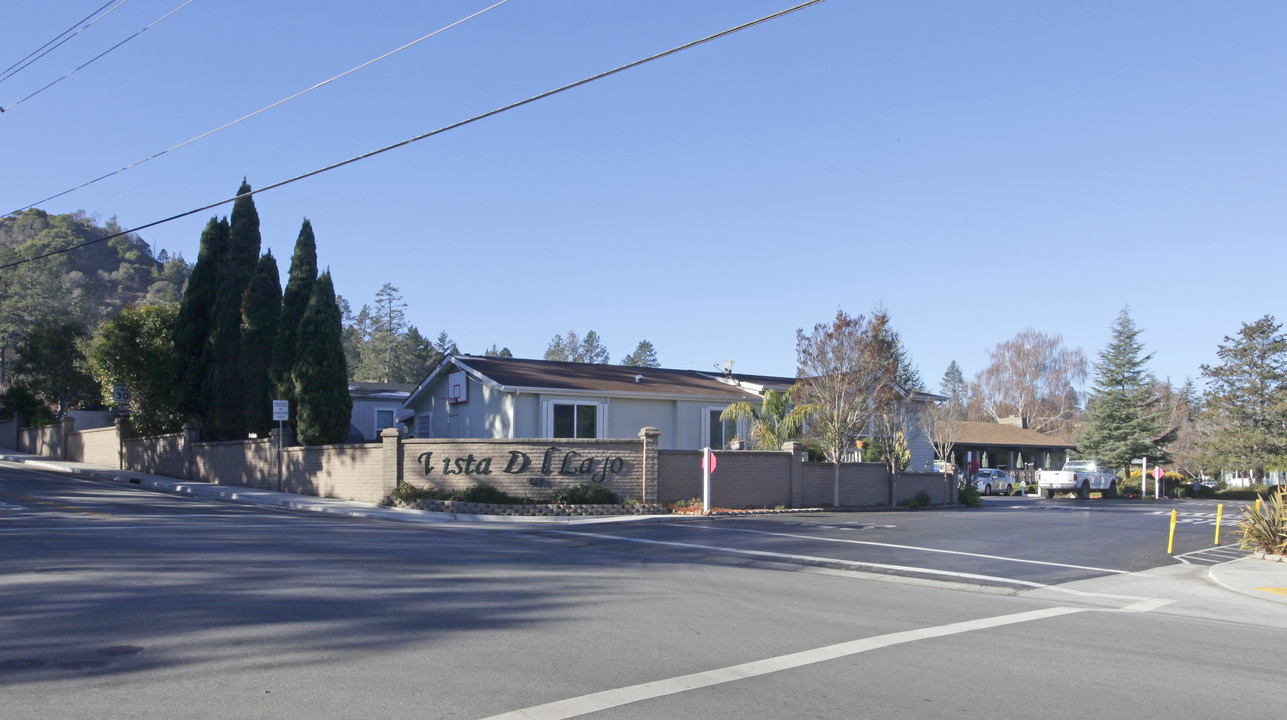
[(1245, 574)]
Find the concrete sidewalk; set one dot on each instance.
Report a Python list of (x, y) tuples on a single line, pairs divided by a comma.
[(1262, 578), (270, 498)]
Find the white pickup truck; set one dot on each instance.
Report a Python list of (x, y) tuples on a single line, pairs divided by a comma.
[(1079, 476)]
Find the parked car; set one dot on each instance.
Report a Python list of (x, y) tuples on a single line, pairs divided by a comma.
[(988, 480)]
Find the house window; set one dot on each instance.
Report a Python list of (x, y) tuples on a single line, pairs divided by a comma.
[(383, 419), (576, 421), (718, 434)]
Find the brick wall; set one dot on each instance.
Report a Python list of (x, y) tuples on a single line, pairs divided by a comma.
[(100, 446), (159, 455), (344, 472), (934, 484)]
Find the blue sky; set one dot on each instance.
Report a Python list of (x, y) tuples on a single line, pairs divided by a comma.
[(978, 168)]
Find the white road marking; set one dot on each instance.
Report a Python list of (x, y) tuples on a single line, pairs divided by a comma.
[(607, 699), (913, 547), (804, 558)]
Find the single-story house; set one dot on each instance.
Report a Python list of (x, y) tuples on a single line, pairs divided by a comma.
[(376, 406), (1007, 445), (468, 396)]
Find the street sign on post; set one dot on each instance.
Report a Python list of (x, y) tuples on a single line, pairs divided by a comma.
[(708, 467), (281, 414)]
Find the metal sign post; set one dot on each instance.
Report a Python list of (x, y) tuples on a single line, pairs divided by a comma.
[(281, 413), (708, 466)]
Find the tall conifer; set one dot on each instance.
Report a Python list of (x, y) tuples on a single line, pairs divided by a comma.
[(1124, 417), (299, 287), (321, 374), (260, 315), (223, 392), (196, 317)]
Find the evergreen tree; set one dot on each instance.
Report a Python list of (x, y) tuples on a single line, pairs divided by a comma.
[(415, 357), (1124, 417), (576, 349), (320, 374), (501, 353), (444, 345), (954, 387), (223, 394), (299, 287), (643, 356), (260, 315), (193, 326), (384, 342), (1246, 400), (52, 367)]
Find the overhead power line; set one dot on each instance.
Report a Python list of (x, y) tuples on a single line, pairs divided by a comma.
[(262, 109), (98, 56), (432, 133), (58, 40)]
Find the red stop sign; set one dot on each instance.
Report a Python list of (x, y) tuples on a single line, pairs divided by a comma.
[(713, 462)]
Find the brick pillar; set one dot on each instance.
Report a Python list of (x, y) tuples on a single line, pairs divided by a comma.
[(190, 438), (68, 427), (390, 459), (650, 459), (795, 484)]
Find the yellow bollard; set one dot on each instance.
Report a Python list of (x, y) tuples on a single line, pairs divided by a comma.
[(1170, 543), (1257, 504), (1219, 516)]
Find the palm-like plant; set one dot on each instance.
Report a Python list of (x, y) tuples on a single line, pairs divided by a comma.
[(772, 424), (1263, 526)]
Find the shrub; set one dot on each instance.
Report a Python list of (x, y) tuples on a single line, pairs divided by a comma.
[(1263, 527), (488, 494), (407, 494), (968, 495), (921, 499), (586, 494)]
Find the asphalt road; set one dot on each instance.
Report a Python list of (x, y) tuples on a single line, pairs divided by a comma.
[(119, 602)]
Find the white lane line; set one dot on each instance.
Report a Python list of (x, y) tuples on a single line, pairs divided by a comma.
[(1146, 605), (803, 558), (913, 547), (607, 699)]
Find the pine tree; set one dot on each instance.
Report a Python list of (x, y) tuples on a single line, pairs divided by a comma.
[(388, 327), (643, 356), (953, 386), (195, 322), (222, 396), (1124, 416), (320, 374), (1246, 400), (260, 315), (299, 287)]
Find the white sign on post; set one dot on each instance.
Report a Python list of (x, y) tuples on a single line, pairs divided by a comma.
[(281, 410)]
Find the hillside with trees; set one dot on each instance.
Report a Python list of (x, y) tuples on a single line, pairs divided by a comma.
[(82, 287)]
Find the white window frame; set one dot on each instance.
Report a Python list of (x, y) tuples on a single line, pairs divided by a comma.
[(741, 426), (375, 419), (600, 414)]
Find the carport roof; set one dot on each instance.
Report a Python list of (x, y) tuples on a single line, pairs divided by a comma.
[(1000, 434)]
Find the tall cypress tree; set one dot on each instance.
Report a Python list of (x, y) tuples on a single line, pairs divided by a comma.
[(195, 321), (299, 287), (1124, 417), (223, 394), (321, 374), (260, 314)]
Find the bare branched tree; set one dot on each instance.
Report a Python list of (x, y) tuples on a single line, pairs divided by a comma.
[(942, 425), (1034, 377), (844, 376)]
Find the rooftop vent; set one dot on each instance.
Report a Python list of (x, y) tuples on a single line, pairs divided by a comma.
[(639, 379)]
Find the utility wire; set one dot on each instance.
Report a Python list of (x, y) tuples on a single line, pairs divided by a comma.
[(96, 57), (260, 110), (11, 71), (431, 133)]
